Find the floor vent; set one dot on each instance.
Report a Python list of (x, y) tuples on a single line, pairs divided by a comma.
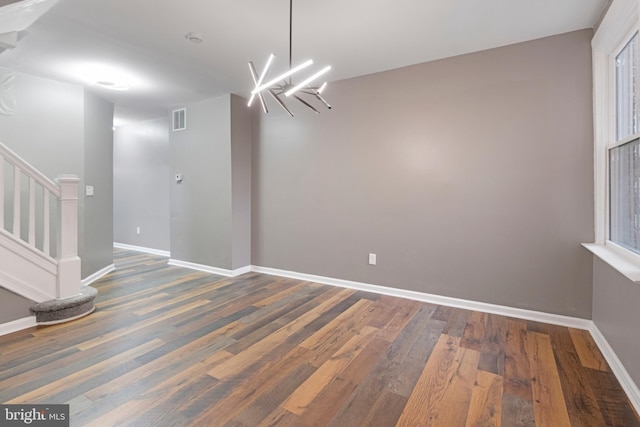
[(179, 119)]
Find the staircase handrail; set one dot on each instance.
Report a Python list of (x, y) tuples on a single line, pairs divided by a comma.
[(29, 170)]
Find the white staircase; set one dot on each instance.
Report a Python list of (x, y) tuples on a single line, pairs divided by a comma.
[(38, 231)]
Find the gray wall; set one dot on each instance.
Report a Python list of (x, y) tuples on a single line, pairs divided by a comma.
[(142, 180), (13, 307), (615, 312), (97, 222), (48, 128), (470, 177), (241, 137), (201, 204)]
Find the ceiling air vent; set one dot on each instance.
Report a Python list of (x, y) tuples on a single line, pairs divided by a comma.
[(179, 119)]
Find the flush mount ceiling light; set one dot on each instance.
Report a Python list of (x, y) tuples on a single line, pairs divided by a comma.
[(283, 84), (108, 84)]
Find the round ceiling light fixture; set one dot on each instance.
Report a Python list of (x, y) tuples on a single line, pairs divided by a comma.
[(108, 84), (196, 38)]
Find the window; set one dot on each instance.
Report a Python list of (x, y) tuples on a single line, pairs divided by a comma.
[(624, 195), (627, 92), (624, 154), (616, 95)]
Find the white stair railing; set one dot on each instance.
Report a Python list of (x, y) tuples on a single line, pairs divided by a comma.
[(32, 228)]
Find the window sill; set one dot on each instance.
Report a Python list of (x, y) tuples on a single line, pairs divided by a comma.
[(625, 264)]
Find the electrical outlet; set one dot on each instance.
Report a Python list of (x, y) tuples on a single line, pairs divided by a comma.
[(137, 230), (372, 259)]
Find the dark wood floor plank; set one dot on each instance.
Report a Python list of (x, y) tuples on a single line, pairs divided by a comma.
[(517, 412), (580, 400), (258, 409), (367, 394), (517, 372), (474, 331), (170, 346), (492, 355), (611, 399), (457, 322)]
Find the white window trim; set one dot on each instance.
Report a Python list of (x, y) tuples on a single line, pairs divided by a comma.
[(619, 24)]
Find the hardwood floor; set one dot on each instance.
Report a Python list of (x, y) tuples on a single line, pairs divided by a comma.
[(173, 347)]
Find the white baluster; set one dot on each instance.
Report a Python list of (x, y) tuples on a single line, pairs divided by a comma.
[(16, 201), (46, 241), (32, 212)]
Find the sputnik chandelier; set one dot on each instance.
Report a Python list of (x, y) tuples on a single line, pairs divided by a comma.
[(283, 84)]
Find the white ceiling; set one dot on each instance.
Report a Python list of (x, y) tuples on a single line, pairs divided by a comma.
[(145, 38)]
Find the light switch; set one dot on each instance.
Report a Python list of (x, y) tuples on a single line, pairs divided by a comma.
[(89, 190)]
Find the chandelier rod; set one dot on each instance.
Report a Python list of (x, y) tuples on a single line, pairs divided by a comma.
[(290, 34)]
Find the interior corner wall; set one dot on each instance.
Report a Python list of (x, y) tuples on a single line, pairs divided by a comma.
[(201, 224), (97, 225), (615, 312), (469, 177), (60, 129), (241, 140), (142, 182)]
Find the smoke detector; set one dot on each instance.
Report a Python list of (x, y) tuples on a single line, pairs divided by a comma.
[(196, 38)]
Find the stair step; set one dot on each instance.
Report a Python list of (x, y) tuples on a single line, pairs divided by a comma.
[(64, 310)]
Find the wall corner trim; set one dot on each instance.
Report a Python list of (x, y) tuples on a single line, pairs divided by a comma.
[(211, 269), (629, 386), (17, 325), (151, 251), (98, 275)]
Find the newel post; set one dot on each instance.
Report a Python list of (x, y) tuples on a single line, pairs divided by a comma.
[(69, 274)]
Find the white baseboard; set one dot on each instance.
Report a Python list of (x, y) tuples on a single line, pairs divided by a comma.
[(17, 325), (210, 269), (617, 367), (554, 319), (629, 386), (152, 251), (98, 275)]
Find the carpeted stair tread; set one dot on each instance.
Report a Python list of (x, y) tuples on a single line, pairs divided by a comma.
[(56, 311)]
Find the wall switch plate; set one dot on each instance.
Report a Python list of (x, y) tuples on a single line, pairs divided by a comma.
[(372, 259), (179, 178), (88, 191), (137, 230)]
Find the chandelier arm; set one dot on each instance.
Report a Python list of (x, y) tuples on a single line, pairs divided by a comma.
[(306, 103), (264, 104), (256, 81), (317, 95), (279, 101)]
